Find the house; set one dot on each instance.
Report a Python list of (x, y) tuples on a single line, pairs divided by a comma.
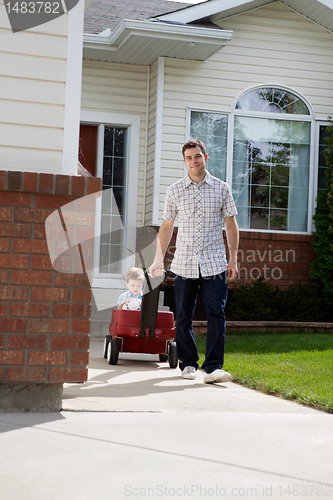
[(251, 78)]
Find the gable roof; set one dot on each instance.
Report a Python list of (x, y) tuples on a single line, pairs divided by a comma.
[(104, 14), (318, 11)]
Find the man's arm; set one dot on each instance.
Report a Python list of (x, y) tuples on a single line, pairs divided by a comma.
[(163, 240), (231, 229)]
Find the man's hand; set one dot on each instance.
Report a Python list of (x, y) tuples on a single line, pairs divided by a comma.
[(156, 269), (164, 237), (232, 270)]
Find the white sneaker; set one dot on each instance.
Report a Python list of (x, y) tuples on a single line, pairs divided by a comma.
[(217, 376), (189, 372)]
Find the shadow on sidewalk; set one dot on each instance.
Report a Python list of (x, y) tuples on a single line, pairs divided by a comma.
[(13, 421), (131, 378)]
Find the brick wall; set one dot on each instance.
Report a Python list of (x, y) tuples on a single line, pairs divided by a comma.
[(44, 314), (282, 259)]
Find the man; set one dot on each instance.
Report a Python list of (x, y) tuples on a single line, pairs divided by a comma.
[(199, 201)]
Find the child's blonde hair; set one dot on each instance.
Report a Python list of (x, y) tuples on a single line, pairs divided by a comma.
[(135, 273)]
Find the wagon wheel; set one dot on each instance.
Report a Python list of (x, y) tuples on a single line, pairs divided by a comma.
[(113, 352), (163, 357), (105, 345), (173, 355)]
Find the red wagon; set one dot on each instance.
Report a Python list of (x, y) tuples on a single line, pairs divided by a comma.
[(145, 331)]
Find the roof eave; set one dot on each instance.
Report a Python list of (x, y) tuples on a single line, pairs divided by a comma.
[(127, 30)]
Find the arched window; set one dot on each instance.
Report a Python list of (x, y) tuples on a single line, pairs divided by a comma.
[(272, 100), (271, 160)]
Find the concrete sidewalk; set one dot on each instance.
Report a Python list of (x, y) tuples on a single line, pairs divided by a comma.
[(139, 430)]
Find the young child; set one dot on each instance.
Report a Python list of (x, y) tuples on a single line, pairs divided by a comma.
[(134, 282)]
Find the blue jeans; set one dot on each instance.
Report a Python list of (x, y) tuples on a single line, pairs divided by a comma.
[(214, 290)]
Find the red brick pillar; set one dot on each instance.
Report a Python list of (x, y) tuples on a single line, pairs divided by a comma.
[(44, 314)]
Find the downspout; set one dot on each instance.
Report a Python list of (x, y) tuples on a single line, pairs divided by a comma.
[(158, 139), (146, 150)]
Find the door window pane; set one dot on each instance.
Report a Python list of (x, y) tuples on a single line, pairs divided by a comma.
[(113, 197)]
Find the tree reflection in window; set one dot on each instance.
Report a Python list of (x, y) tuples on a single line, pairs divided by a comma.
[(272, 100), (212, 129), (271, 173)]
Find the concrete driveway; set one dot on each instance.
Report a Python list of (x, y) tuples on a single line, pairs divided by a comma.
[(138, 430)]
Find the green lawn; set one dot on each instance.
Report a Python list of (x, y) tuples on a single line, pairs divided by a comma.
[(296, 366)]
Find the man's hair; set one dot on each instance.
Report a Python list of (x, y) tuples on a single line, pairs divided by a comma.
[(193, 143), (135, 273)]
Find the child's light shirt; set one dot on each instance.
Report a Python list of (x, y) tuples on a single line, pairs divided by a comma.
[(128, 295)]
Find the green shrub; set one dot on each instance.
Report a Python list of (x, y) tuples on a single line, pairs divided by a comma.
[(322, 268), (260, 301), (301, 303), (255, 302)]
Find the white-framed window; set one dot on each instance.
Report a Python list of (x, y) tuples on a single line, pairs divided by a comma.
[(117, 163), (266, 157)]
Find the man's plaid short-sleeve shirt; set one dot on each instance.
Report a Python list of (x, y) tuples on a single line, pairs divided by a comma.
[(199, 210)]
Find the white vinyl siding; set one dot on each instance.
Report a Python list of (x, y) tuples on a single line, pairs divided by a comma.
[(32, 100), (118, 88), (271, 45), (281, 46)]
